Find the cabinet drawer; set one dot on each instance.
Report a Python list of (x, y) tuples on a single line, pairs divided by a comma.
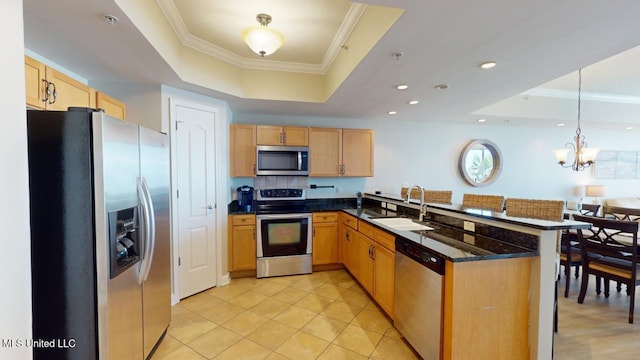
[(244, 219), (323, 217), (350, 221), (366, 229), (385, 239)]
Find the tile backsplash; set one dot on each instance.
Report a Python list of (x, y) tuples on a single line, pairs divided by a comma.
[(292, 182)]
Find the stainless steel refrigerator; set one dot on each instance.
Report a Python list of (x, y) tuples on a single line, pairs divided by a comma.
[(100, 236)]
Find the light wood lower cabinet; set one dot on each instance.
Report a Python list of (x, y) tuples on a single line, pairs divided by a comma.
[(369, 254), (486, 309), (242, 242), (348, 237), (325, 238)]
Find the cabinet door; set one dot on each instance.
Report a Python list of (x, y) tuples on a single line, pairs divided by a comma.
[(34, 76), (325, 243), (364, 274), (357, 152), (348, 237), (296, 136), (111, 106), (325, 151), (68, 92), (269, 135), (243, 150), (243, 248), (384, 278)]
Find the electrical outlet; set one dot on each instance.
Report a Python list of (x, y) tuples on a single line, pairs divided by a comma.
[(392, 207), (469, 239), (470, 226)]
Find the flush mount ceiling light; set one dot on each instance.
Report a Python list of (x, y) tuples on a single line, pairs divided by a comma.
[(441, 86), (392, 112), (413, 102), (583, 156), (110, 19), (262, 40), (488, 65), (402, 87), (482, 120)]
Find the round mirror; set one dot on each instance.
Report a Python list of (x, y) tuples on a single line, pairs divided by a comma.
[(480, 162)]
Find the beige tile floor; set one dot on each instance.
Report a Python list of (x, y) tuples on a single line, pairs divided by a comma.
[(324, 315)]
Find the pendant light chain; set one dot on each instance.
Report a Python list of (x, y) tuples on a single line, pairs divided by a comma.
[(579, 130)]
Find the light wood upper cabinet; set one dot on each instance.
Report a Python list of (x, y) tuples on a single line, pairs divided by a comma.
[(243, 150), (325, 151), (111, 106), (49, 89), (340, 152), (35, 77), (66, 92), (282, 135), (357, 152)]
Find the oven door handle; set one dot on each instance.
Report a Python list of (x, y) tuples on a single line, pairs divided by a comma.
[(283, 216)]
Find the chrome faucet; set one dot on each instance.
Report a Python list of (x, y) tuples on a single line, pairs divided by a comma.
[(422, 205)]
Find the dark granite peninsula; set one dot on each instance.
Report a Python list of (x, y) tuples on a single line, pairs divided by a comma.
[(499, 279)]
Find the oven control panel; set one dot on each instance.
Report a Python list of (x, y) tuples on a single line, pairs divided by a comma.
[(275, 194)]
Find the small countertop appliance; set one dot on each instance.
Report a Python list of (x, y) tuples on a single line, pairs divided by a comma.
[(245, 198)]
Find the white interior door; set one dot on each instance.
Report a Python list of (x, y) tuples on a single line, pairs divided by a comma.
[(195, 155)]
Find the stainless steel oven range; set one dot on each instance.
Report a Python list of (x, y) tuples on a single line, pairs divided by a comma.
[(284, 233)]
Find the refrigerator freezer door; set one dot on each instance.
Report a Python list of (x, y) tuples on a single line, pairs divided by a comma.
[(117, 168), (154, 165)]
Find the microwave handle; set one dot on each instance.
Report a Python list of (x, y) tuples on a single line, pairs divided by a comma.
[(299, 160)]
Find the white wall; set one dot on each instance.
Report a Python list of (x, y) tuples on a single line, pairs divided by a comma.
[(15, 267), (427, 154)]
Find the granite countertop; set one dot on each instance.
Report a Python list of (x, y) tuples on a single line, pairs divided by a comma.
[(453, 244), (493, 215)]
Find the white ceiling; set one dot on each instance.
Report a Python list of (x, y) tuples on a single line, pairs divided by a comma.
[(534, 42)]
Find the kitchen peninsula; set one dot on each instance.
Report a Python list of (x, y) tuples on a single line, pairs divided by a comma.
[(534, 269)]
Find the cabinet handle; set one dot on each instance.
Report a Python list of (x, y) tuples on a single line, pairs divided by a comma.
[(46, 90), (373, 252), (346, 235), (254, 234), (254, 169), (314, 231), (280, 139), (284, 136), (54, 93)]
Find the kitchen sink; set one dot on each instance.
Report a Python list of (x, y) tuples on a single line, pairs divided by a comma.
[(397, 223)]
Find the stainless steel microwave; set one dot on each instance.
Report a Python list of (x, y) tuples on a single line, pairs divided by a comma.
[(282, 160)]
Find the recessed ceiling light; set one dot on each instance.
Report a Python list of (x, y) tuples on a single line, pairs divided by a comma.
[(413, 102), (402, 87), (488, 64), (482, 120), (441, 86), (392, 112), (560, 124), (110, 19), (629, 128)]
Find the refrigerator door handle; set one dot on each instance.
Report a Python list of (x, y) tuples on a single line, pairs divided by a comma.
[(151, 230), (145, 233)]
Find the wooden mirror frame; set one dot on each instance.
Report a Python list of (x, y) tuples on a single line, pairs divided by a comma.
[(495, 155)]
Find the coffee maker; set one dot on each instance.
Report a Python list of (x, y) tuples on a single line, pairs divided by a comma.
[(245, 198)]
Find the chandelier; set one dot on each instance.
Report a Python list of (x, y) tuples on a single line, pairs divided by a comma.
[(262, 40), (583, 157)]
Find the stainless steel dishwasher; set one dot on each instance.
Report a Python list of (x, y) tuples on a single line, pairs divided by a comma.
[(418, 297)]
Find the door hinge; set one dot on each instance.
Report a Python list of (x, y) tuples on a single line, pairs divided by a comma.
[(177, 194), (179, 261), (177, 122)]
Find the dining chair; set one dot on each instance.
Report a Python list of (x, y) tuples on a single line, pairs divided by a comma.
[(483, 202), (570, 249), (623, 214), (610, 250), (552, 210), (438, 196)]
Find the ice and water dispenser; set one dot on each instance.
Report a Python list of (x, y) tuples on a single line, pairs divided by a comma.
[(124, 242)]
